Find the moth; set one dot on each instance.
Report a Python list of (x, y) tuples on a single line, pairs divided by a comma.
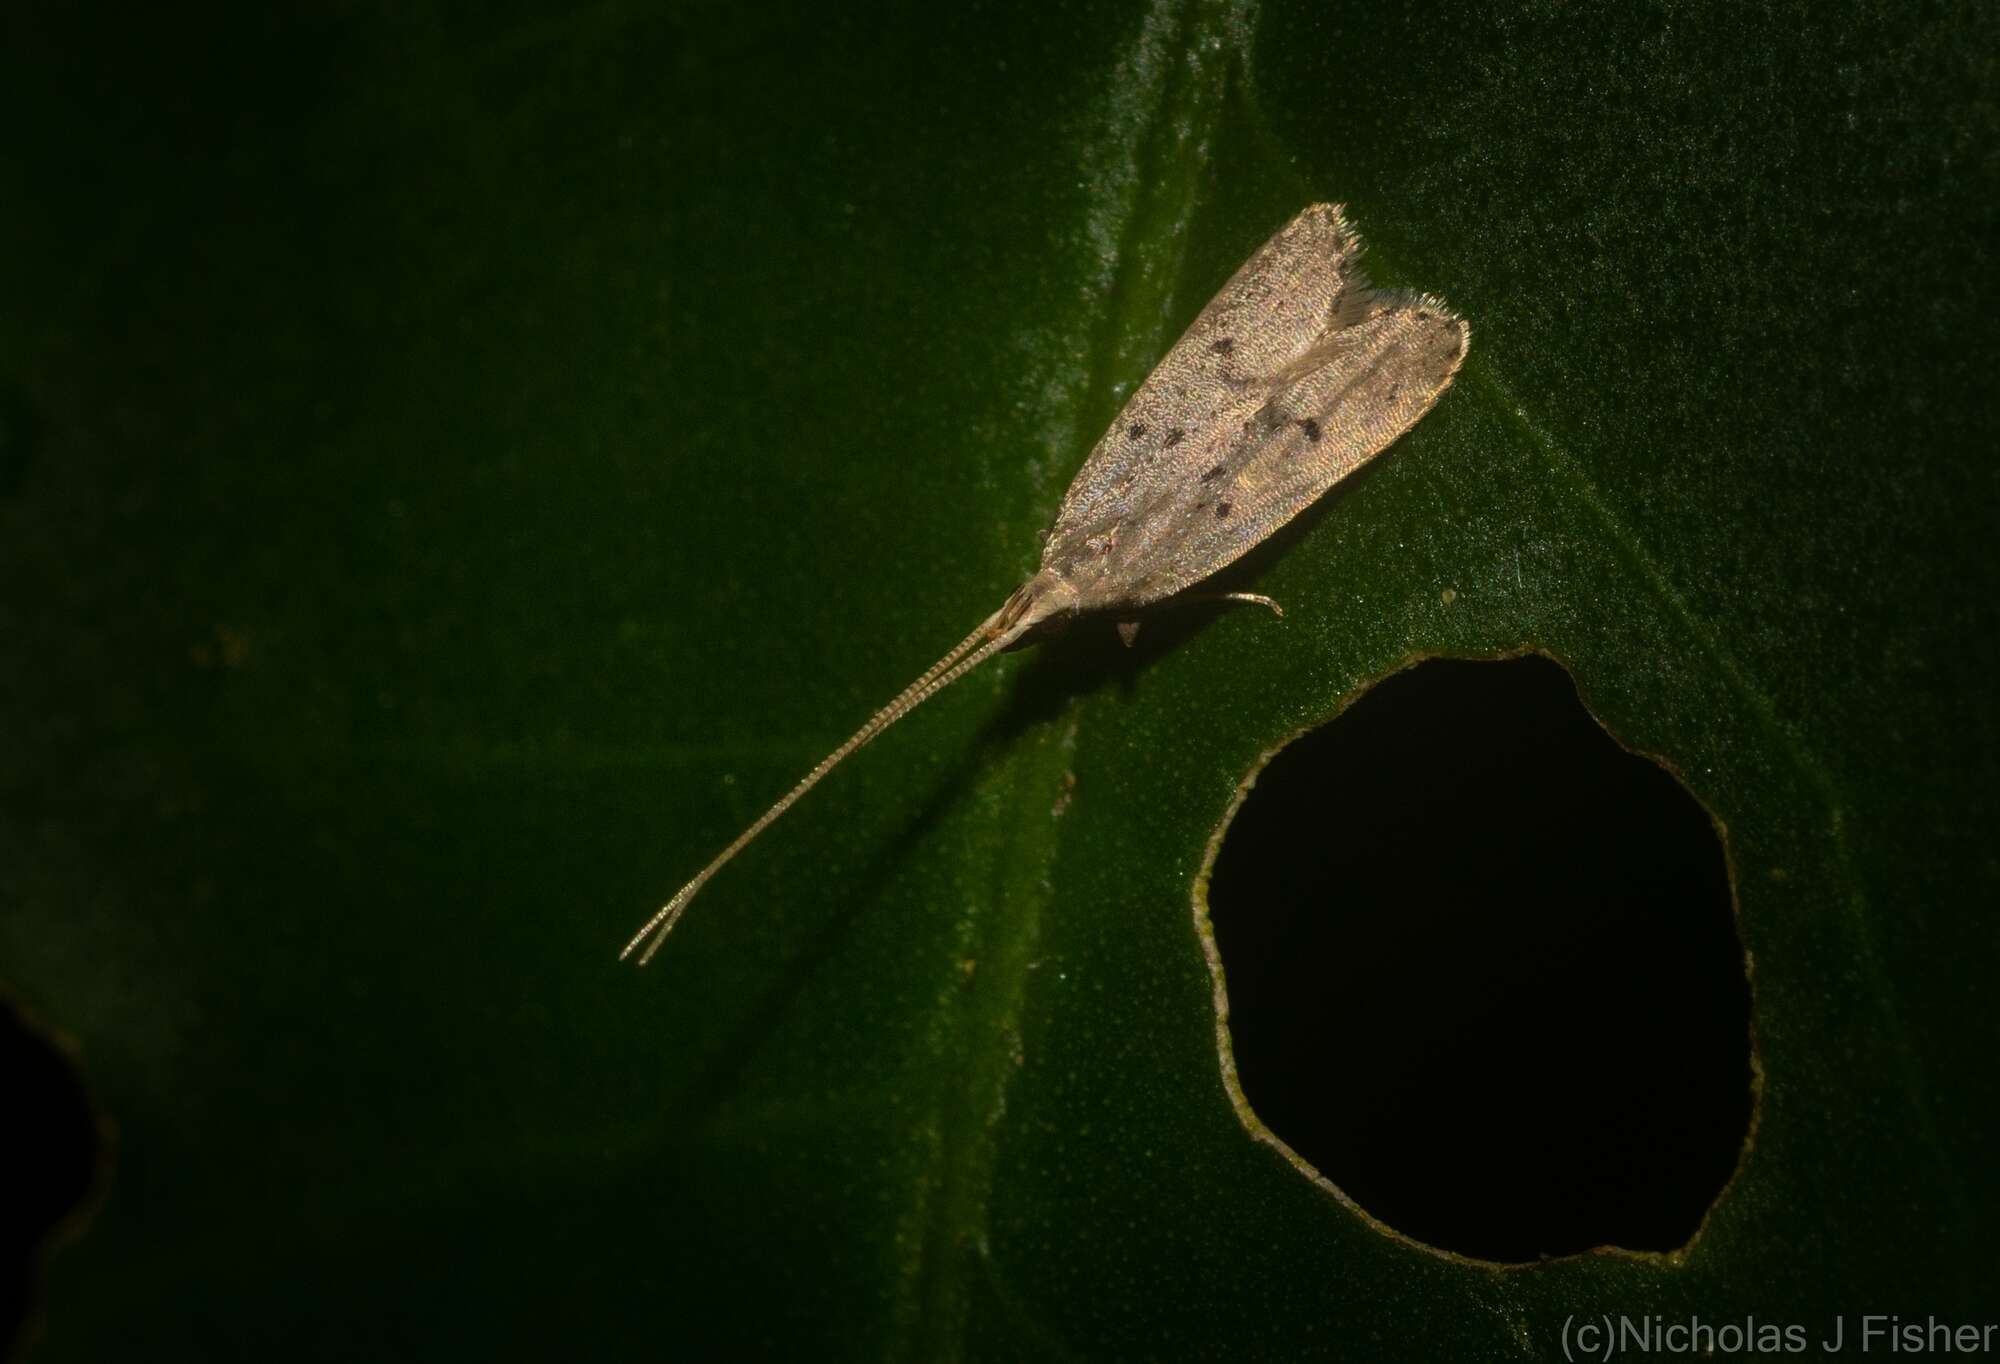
[(1294, 375)]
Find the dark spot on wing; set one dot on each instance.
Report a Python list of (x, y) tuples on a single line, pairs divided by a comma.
[(1394, 390), (1212, 474), (1222, 509), (1311, 428), (1423, 316), (1174, 437), (1224, 346), (1135, 430)]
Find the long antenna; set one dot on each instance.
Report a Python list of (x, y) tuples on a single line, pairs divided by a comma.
[(969, 654)]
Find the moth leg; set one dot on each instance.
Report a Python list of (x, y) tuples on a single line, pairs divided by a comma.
[(1253, 598), (1128, 631)]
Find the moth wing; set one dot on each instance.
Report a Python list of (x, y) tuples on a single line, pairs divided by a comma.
[(1333, 408), (1351, 400), (1259, 325)]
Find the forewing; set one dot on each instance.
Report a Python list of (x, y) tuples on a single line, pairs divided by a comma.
[(1263, 322), (1353, 398), (1384, 361)]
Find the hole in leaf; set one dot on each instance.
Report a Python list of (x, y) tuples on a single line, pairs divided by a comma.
[(52, 1149), (1483, 971)]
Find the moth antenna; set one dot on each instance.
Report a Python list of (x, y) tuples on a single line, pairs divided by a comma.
[(998, 631)]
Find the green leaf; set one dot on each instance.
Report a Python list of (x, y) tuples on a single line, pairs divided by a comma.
[(458, 467)]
